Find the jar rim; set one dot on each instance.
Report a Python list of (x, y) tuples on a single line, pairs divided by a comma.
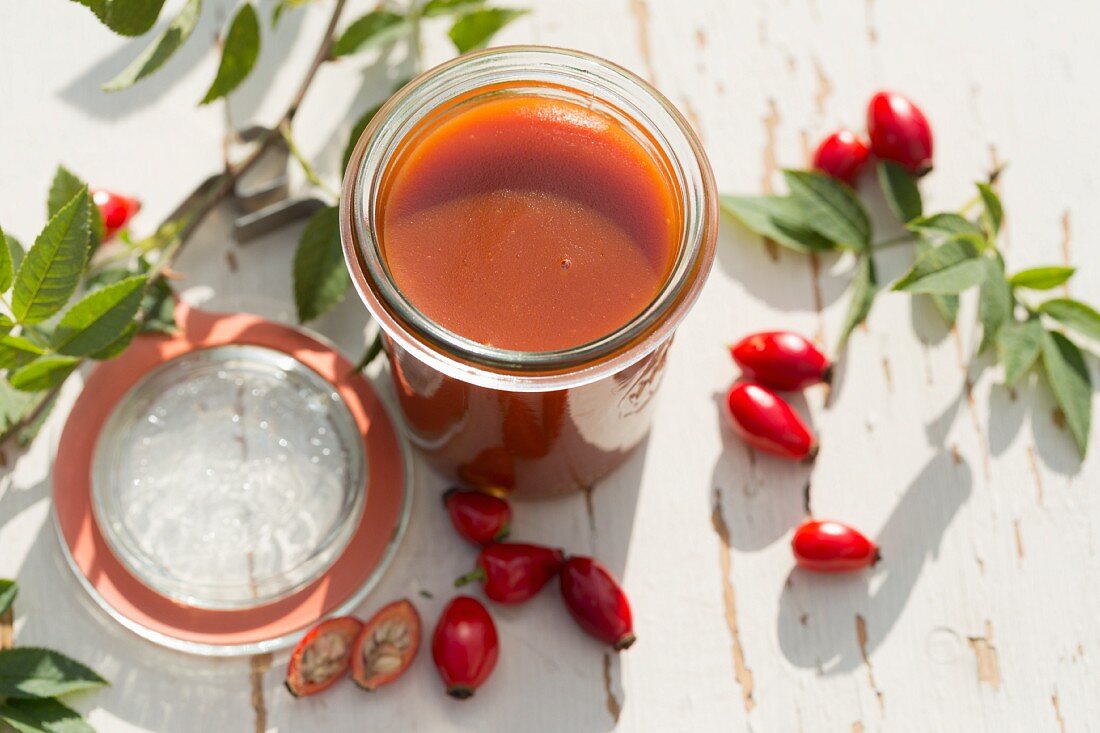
[(469, 360)]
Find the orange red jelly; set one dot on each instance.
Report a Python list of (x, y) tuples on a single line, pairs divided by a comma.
[(528, 223)]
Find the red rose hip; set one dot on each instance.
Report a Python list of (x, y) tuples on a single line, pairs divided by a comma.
[(900, 132), (596, 602), (832, 547), (322, 656), (781, 360), (386, 646), (842, 155), (513, 572), (116, 210), (479, 517), (765, 421), (465, 646)]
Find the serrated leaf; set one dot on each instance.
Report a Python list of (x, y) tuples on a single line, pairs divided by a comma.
[(17, 252), (7, 268), (158, 309), (9, 589), (900, 188), (943, 225), (474, 30), (320, 276), (116, 347), (49, 273), (99, 318), (43, 373), (160, 50), (863, 289), (239, 53), (1069, 380), (16, 351), (992, 211), (126, 17), (63, 188), (448, 7), (947, 269), (1018, 348), (371, 30), (30, 672), (778, 218), (1042, 278), (994, 302), (947, 305), (45, 715), (830, 208), (1079, 316)]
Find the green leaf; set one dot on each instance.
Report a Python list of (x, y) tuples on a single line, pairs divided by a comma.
[(98, 319), (375, 348), (994, 302), (29, 432), (9, 589), (30, 672), (830, 208), (15, 406), (1079, 316), (992, 211), (158, 309), (49, 273), (373, 29), (16, 351), (160, 50), (320, 276), (864, 287), (242, 47), (943, 225), (474, 30), (900, 189), (778, 218), (947, 305), (1042, 278), (949, 268), (7, 269), (17, 252), (45, 715), (448, 7), (6, 324), (283, 6), (116, 347), (1018, 347), (1069, 381), (64, 187), (43, 373), (126, 17)]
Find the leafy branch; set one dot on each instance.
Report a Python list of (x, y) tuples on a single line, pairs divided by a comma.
[(31, 680), (953, 253)]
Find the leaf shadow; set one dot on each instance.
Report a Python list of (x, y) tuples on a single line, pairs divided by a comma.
[(817, 622), (83, 91)]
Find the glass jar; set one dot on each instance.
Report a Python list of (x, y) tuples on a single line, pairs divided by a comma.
[(528, 423)]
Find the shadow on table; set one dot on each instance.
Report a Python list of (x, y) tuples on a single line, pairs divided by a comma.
[(818, 624)]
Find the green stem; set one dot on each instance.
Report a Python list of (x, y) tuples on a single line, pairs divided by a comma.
[(474, 576), (969, 205), (307, 167)]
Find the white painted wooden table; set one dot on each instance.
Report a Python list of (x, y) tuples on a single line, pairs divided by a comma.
[(985, 614)]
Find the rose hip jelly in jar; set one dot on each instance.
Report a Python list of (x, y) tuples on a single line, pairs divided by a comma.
[(528, 225)]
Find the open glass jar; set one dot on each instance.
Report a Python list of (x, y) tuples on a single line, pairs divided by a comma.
[(528, 423)]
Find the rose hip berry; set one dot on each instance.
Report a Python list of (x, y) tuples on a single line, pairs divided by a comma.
[(781, 360), (477, 516), (116, 210), (465, 646), (322, 656), (842, 155), (900, 132), (386, 646), (596, 602), (513, 572), (832, 547), (765, 421)]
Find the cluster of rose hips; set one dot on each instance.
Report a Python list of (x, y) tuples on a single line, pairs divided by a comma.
[(782, 361), (898, 131), (465, 645)]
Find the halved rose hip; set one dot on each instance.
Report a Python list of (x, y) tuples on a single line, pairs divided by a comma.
[(322, 656), (386, 646)]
